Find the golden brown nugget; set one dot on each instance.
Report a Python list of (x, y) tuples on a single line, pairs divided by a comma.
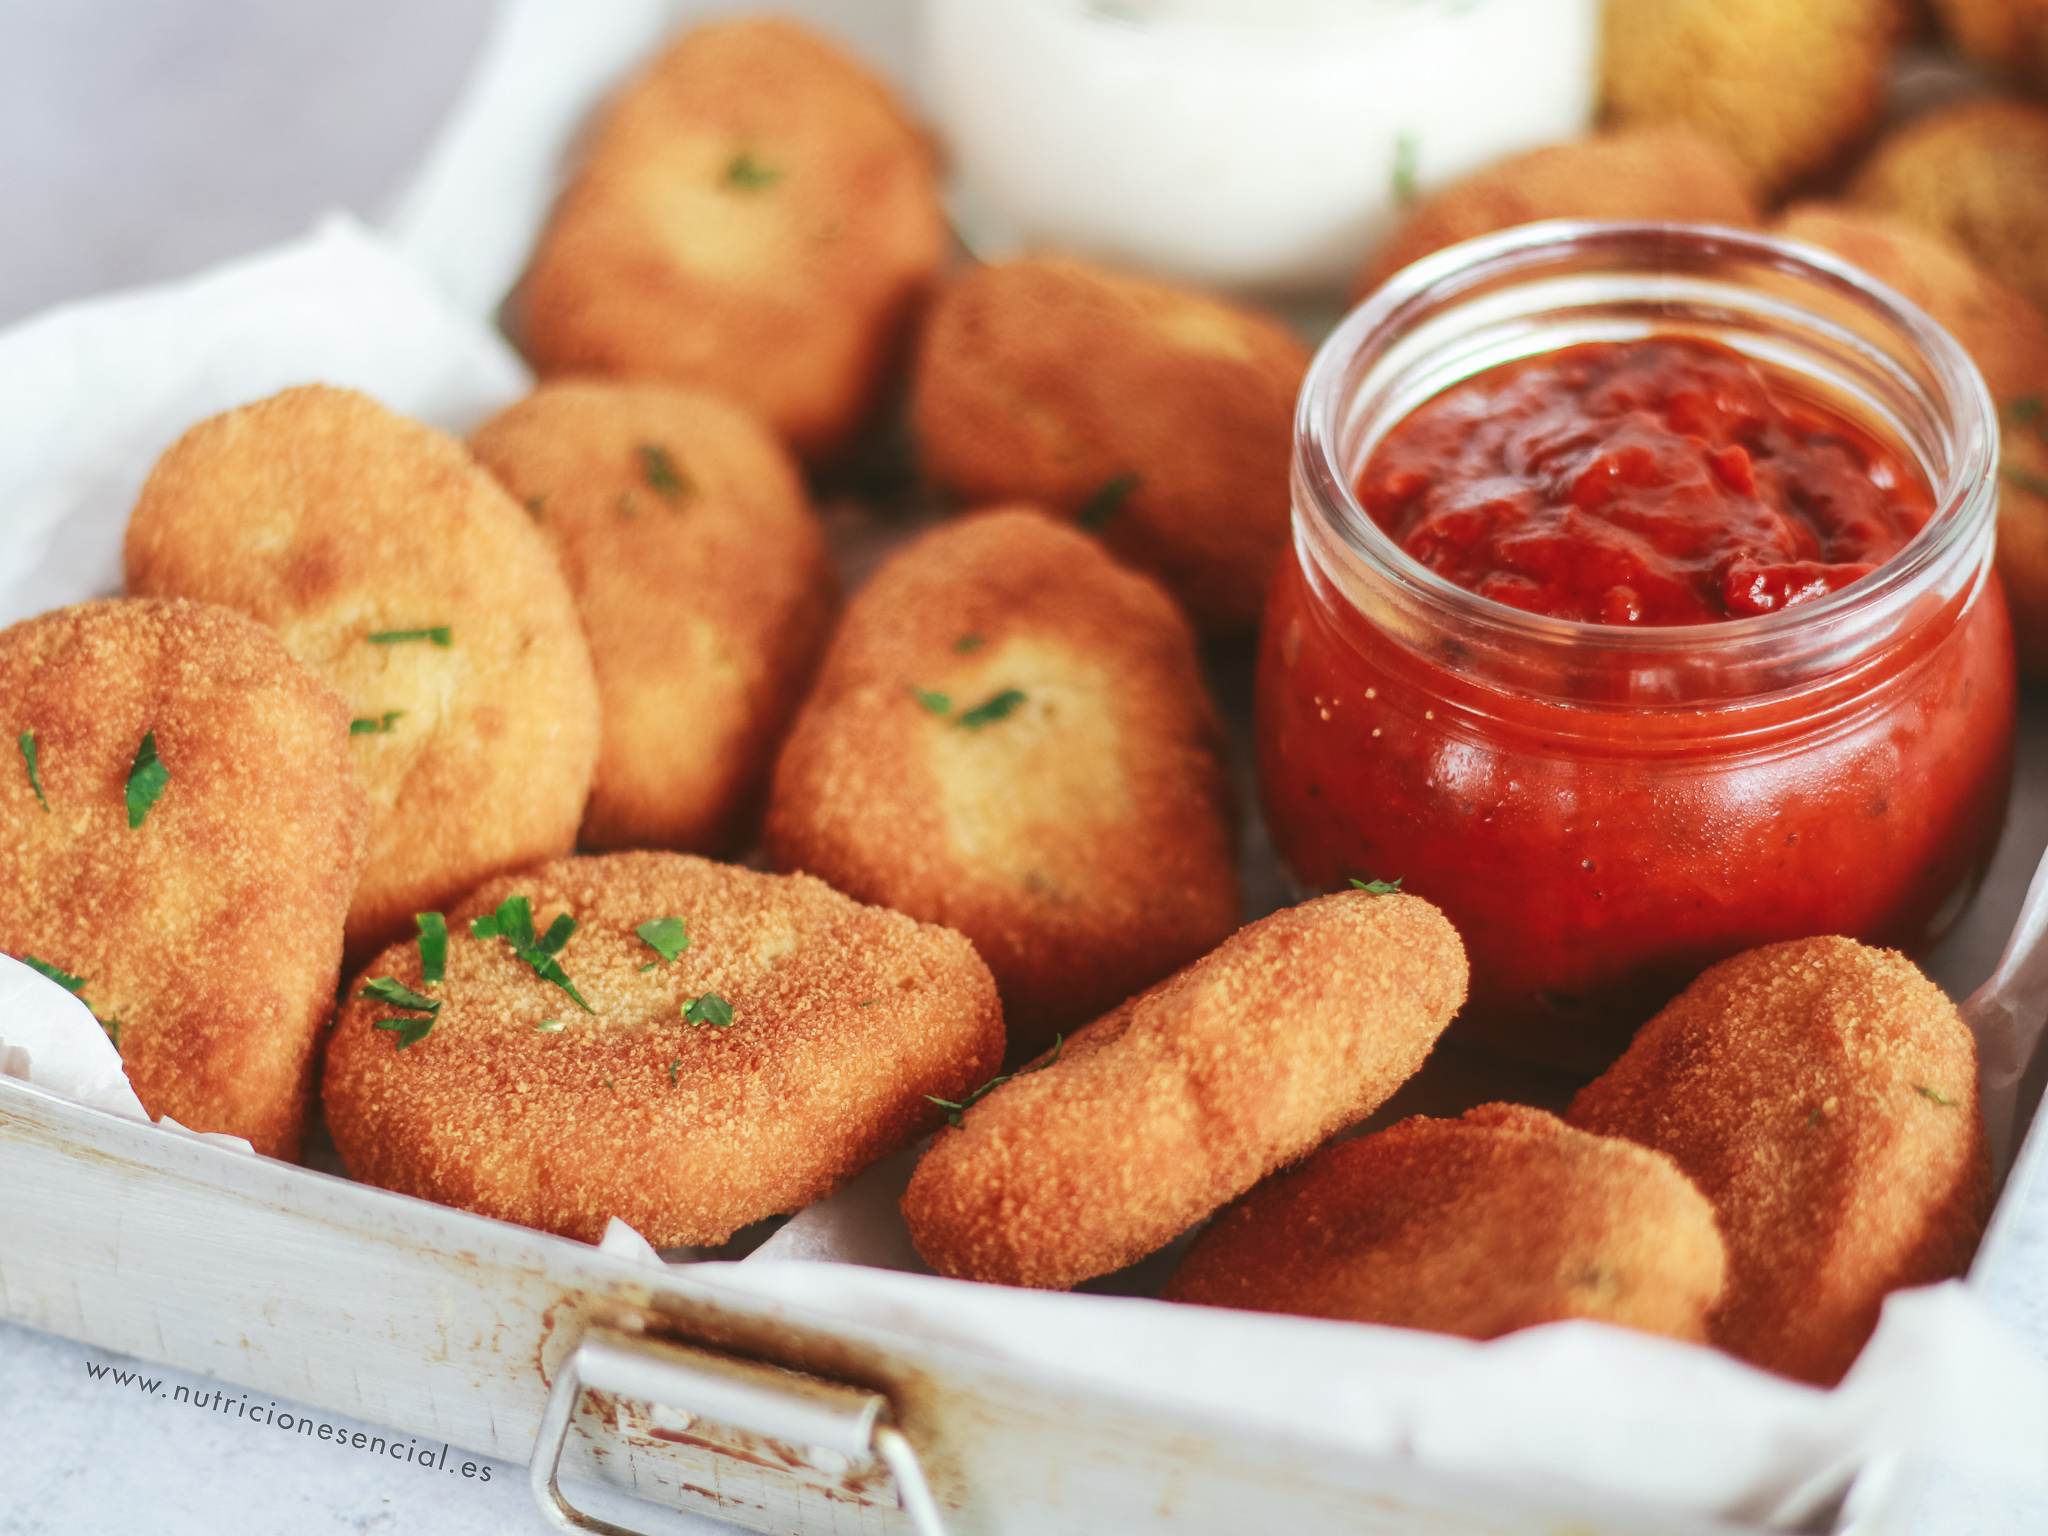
[(704, 584), (400, 572), (199, 901), (1011, 736), (1976, 176), (2008, 339), (751, 1042), (1665, 172), (757, 216), (1500, 1220), (1786, 89), (1824, 1097), (1159, 419), (1183, 1098), (2008, 36)]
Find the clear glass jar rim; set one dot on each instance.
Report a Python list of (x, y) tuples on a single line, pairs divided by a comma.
[(1335, 374)]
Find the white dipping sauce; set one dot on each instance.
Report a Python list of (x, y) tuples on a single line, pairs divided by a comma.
[(1252, 144)]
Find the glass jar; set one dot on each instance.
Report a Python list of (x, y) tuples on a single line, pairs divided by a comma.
[(1604, 810)]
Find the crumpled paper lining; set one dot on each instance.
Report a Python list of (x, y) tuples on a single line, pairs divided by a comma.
[(93, 394)]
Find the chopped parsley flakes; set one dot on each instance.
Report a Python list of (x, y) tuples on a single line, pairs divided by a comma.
[(375, 725), (991, 710), (708, 1009), (955, 1111), (1379, 887), (968, 643), (63, 978), (668, 937), (396, 994), (439, 634), (433, 946), (1098, 509), (667, 482), (513, 922), (147, 777), (550, 1026), (409, 1031), (1934, 1093), (937, 703), (27, 742), (745, 172)]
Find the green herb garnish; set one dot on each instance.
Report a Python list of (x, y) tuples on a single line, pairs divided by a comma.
[(375, 725), (27, 742), (439, 635), (955, 1111), (113, 1029), (708, 1009), (937, 703), (433, 946), (1407, 158), (1380, 887), (611, 1085), (968, 643), (550, 1026), (146, 780), (992, 710), (1934, 1093), (386, 989), (2026, 480), (63, 978), (666, 936), (672, 1071), (668, 482), (1098, 509), (743, 170), (513, 922), (409, 1031)]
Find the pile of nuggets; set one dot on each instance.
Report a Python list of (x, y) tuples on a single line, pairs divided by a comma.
[(471, 722)]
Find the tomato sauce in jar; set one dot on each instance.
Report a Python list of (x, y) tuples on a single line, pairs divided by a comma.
[(1632, 657)]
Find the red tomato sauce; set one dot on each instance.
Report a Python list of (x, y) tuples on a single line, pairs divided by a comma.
[(1650, 482), (1594, 853)]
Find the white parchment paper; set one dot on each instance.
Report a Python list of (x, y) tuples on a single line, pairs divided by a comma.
[(94, 392)]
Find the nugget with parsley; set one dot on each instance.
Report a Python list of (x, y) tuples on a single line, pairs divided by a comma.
[(685, 1045), (179, 833), (1186, 1096), (704, 584), (391, 563), (1010, 735)]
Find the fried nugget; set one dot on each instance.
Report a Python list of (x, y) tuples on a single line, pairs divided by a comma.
[(405, 577), (749, 1043), (1161, 420), (1500, 1220), (1824, 1097), (2008, 339), (1976, 176), (2008, 36), (179, 833), (1183, 1098), (1662, 172), (1786, 89), (757, 216), (705, 588), (1011, 736)]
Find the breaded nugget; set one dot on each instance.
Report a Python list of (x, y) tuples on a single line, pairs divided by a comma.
[(1011, 736), (1786, 89), (752, 1041), (2008, 338), (1160, 419), (2008, 36), (758, 216), (1500, 1220), (1824, 1097), (705, 588), (1975, 175), (1660, 172), (1183, 1098), (179, 833), (400, 572)]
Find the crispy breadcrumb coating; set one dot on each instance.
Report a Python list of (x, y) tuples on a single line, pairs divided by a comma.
[(1011, 736), (704, 584), (334, 520), (757, 215), (1500, 1220), (210, 935), (1183, 1098), (1824, 1097), (843, 1018)]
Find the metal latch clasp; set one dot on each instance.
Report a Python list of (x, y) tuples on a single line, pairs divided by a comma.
[(845, 1422)]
